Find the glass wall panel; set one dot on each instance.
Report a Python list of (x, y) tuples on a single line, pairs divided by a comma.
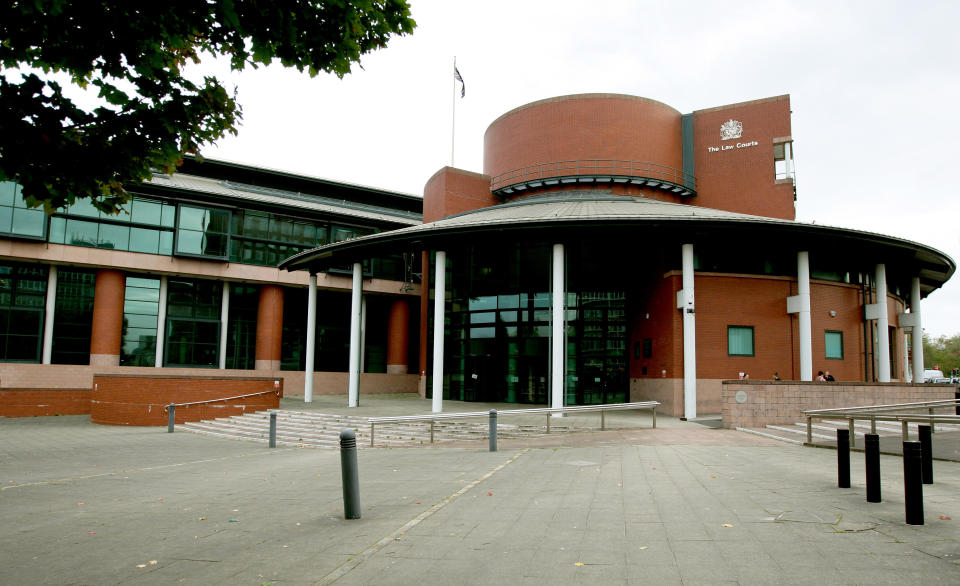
[(73, 316), (141, 306), (202, 231), (242, 328), (332, 332), (193, 322), (16, 219), (23, 291)]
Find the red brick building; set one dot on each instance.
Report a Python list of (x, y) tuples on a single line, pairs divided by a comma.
[(616, 249)]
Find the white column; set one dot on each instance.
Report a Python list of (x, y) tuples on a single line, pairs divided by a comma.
[(916, 336), (803, 316), (558, 332), (356, 311), (689, 335), (363, 333), (49, 309), (311, 339), (439, 306), (161, 323), (883, 322), (224, 326)]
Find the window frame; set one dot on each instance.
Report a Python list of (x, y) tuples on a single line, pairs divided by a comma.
[(826, 347), (753, 340)]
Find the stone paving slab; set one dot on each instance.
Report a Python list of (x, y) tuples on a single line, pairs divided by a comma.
[(683, 504)]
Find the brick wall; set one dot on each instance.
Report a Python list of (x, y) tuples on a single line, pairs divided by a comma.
[(36, 402), (140, 400), (52, 389), (777, 403)]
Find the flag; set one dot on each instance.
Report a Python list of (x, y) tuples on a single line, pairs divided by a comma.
[(463, 87)]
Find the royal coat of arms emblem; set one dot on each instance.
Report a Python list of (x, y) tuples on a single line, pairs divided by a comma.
[(731, 129)]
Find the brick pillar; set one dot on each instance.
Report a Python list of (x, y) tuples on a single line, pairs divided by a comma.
[(106, 332), (398, 337), (269, 328)]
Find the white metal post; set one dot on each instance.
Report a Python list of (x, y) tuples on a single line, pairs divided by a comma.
[(883, 332), (689, 336), (311, 339), (558, 333), (439, 306), (49, 309), (224, 325), (916, 336), (803, 316), (161, 323), (356, 310)]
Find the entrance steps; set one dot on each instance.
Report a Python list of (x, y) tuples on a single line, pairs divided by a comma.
[(310, 429), (826, 430)]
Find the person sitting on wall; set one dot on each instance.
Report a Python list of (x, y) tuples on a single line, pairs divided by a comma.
[(820, 377), (828, 377), (776, 376)]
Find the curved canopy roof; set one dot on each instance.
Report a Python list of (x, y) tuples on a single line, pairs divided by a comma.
[(556, 216)]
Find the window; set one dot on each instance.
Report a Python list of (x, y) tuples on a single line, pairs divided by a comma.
[(73, 316), (242, 326), (202, 232), (141, 306), (23, 291), (193, 322), (833, 344), (783, 160), (740, 340), (16, 218), (147, 226)]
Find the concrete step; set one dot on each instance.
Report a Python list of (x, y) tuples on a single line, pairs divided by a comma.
[(322, 430)]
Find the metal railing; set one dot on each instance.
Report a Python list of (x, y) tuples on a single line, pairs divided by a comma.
[(548, 411), (171, 408), (167, 407), (593, 167), (896, 412)]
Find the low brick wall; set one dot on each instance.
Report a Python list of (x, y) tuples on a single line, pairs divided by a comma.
[(776, 403), (37, 402), (140, 399)]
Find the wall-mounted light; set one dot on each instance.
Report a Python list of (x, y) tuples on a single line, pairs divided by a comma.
[(833, 313)]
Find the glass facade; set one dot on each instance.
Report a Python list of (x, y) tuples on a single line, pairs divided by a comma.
[(147, 226), (141, 307), (193, 322), (73, 316), (499, 327), (332, 353), (16, 219), (23, 291), (242, 326)]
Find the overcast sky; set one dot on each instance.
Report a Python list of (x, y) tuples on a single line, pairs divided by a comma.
[(874, 88)]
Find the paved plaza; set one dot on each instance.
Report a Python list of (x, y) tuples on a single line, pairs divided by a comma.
[(686, 503)]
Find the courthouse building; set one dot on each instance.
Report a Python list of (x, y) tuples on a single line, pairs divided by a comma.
[(612, 249), (185, 283), (615, 249)]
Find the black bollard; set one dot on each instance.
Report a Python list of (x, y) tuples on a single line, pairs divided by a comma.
[(171, 417), (273, 429), (348, 473), (926, 453), (493, 430), (843, 458), (872, 460), (912, 483)]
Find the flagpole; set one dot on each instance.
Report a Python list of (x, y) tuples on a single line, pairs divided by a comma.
[(453, 122)]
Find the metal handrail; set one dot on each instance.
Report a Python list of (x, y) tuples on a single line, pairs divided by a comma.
[(549, 411), (579, 167), (167, 407), (874, 413)]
